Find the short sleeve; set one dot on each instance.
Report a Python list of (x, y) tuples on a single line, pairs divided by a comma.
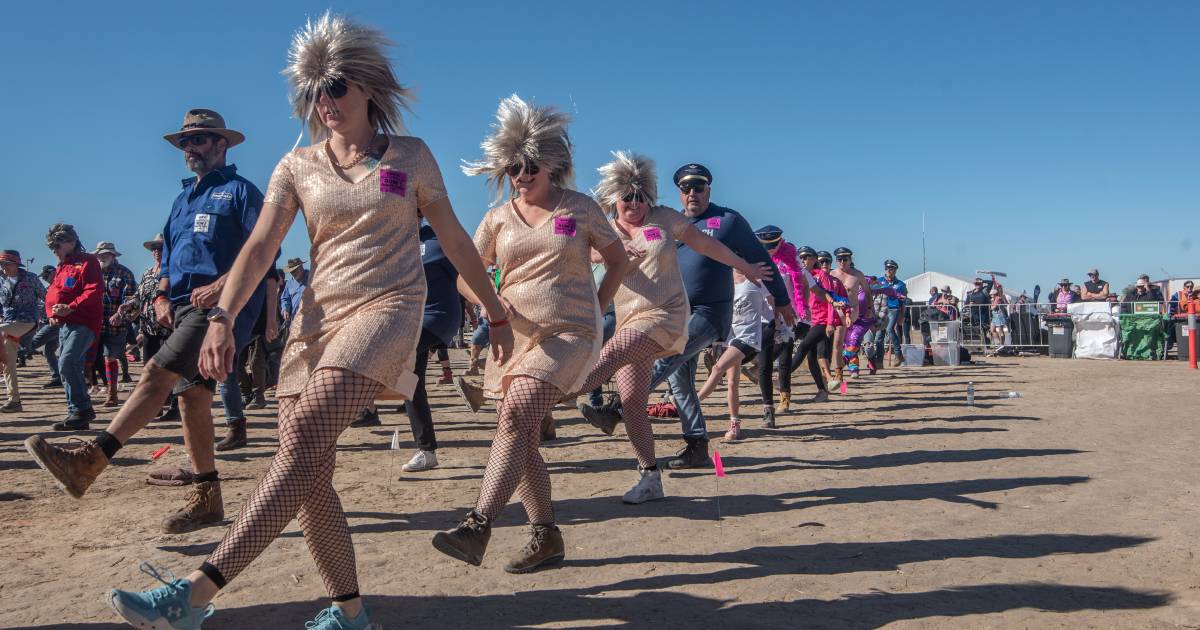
[(600, 231), (428, 186), (674, 221), (282, 189), (485, 237)]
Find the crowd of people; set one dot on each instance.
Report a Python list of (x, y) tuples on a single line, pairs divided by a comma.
[(566, 291)]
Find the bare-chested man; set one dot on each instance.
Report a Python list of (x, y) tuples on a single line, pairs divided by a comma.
[(862, 311)]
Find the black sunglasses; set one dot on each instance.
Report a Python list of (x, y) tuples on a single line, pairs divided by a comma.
[(690, 186), (198, 139), (336, 88), (635, 196), (531, 169), (843, 258)]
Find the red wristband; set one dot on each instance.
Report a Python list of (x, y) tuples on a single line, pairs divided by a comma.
[(498, 323)]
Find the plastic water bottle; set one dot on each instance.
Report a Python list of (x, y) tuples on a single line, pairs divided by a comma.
[(971, 394), (1014, 394)]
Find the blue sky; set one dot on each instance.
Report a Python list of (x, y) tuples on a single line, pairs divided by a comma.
[(1037, 138)]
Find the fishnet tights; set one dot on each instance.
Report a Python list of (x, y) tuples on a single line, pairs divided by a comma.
[(514, 463), (299, 483), (630, 355)]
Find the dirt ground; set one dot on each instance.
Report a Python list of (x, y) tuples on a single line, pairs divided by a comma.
[(1073, 505)]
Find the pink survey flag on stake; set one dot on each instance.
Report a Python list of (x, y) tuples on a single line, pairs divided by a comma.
[(720, 468), (843, 388)]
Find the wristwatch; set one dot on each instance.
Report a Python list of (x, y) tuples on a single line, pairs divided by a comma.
[(217, 313)]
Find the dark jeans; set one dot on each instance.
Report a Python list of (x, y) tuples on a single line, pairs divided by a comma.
[(680, 373), (420, 418), (46, 338), (889, 332), (596, 397)]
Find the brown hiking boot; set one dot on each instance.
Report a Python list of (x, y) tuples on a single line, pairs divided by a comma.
[(548, 432), (73, 468), (236, 438), (785, 401), (467, 542), (545, 547), (204, 507)]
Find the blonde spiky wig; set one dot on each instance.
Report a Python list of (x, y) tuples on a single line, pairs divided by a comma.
[(524, 133), (626, 174), (334, 48)]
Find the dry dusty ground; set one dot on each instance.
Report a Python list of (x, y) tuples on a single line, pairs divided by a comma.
[(1072, 506)]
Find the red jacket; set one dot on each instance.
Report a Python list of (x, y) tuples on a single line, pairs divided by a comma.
[(78, 284)]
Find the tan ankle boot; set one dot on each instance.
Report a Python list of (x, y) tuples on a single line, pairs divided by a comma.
[(545, 547), (73, 468), (785, 401), (204, 507)]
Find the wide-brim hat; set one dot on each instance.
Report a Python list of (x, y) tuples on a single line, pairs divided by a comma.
[(154, 243), (204, 121), (106, 247), (11, 256), (293, 264)]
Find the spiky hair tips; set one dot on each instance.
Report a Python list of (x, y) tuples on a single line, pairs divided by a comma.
[(332, 48), (526, 133), (626, 174)]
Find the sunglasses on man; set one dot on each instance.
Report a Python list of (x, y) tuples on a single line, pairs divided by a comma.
[(689, 187), (635, 197), (197, 139), (530, 169)]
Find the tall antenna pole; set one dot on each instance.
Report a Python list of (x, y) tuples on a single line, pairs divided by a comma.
[(923, 269)]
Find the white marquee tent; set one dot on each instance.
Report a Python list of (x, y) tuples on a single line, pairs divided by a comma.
[(918, 286)]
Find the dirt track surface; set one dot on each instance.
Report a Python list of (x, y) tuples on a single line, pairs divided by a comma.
[(1072, 506)]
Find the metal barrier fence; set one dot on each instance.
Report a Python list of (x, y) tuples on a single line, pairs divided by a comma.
[(1022, 329)]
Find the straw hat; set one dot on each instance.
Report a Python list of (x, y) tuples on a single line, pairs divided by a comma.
[(154, 243)]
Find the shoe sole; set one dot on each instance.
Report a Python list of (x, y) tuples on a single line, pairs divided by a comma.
[(134, 618), (628, 502), (191, 527), (551, 561), (232, 447), (405, 468), (459, 386), (441, 544), (31, 449)]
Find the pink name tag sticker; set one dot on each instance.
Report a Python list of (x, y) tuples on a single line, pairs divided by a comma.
[(564, 226), (394, 182), (652, 234), (713, 222)]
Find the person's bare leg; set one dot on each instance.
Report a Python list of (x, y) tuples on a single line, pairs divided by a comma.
[(195, 405), (732, 395), (730, 360), (144, 403)]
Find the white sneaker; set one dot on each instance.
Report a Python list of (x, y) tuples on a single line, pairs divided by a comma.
[(648, 488), (423, 460)]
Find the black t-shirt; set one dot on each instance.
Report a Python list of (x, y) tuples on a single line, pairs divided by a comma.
[(1095, 287)]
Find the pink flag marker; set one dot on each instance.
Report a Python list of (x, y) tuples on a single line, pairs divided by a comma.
[(716, 457), (160, 452), (843, 388)]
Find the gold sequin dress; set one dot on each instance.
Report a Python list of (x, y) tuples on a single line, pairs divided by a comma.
[(363, 305), (652, 298), (546, 274)]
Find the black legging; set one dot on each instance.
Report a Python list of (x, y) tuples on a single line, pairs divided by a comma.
[(766, 364), (420, 418), (814, 344)]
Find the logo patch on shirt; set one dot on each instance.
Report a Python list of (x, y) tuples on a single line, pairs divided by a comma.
[(652, 234), (422, 249), (394, 182), (69, 282), (713, 222), (202, 223), (222, 195), (564, 226)]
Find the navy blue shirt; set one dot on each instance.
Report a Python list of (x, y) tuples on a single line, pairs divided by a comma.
[(443, 307), (709, 283), (210, 221)]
